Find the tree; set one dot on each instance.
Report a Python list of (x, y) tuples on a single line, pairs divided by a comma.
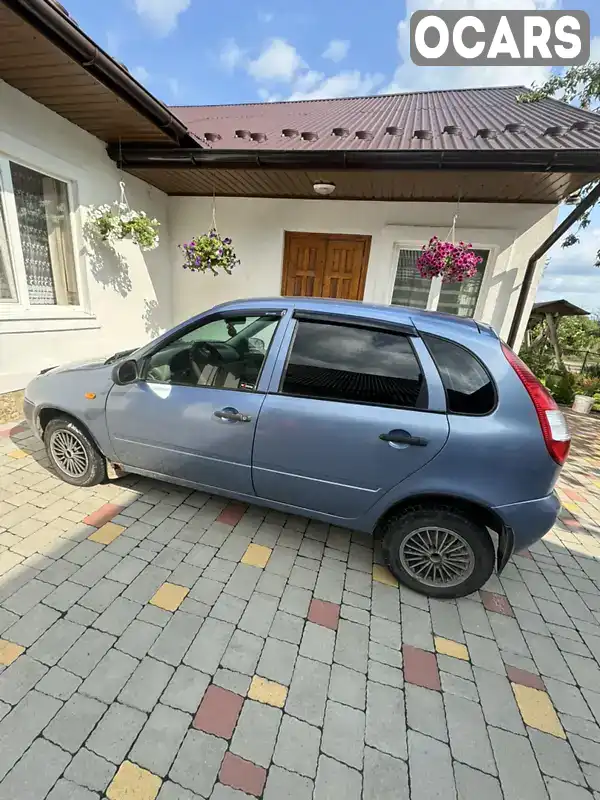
[(580, 86)]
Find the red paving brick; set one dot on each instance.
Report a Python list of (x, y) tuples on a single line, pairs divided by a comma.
[(420, 667), (11, 430), (497, 603), (104, 514), (574, 496), (243, 775), (323, 613), (524, 554), (232, 513), (516, 675), (218, 712)]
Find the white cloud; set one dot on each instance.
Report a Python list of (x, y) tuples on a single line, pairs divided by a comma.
[(344, 84), (279, 61), (174, 88), (141, 74), (337, 50), (265, 17), (161, 15), (231, 55), (409, 77)]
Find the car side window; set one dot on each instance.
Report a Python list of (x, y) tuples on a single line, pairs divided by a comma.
[(469, 387), (224, 353), (353, 364)]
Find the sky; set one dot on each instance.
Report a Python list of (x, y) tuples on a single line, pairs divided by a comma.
[(194, 52)]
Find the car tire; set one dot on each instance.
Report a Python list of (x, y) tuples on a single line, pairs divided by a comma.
[(73, 454), (458, 554)]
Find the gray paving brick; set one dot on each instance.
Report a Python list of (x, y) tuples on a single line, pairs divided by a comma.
[(473, 618), (67, 790), (335, 780), (425, 712), (526, 781), (559, 790), (206, 591), (385, 727), (384, 777), (355, 614), (22, 725), (101, 595), (471, 784), (36, 773), (508, 634), (122, 545), (567, 698), (166, 530), (74, 722), (200, 555), (585, 670), (329, 585), (519, 595), (592, 776), (308, 691), (138, 638), (155, 615), (95, 569), (445, 619), (210, 644), (21, 676), (228, 608), (385, 655), (416, 627), (256, 732), (146, 684), (283, 784), (259, 614), (357, 600), (585, 750), (32, 625), (302, 577), (498, 701), (243, 581), (281, 561), (359, 582), (110, 675), (243, 652), (484, 653), (28, 596), (7, 618), (529, 621), (81, 616), (317, 643), (430, 768), (160, 739), (86, 652), (89, 770), (116, 732), (385, 632), (351, 646), (233, 681), (347, 686), (58, 572), (555, 757), (84, 551), (287, 627), (176, 637), (186, 689), (580, 726), (460, 686), (198, 774), (383, 673), (277, 661), (344, 734), (297, 746), (127, 570), (59, 683), (64, 596), (271, 584), (52, 646), (469, 741), (185, 575), (146, 584)]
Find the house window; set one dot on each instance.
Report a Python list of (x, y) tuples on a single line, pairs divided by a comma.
[(37, 262), (410, 289)]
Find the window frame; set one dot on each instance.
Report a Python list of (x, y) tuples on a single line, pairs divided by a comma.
[(361, 323), (20, 309), (143, 362), (435, 288)]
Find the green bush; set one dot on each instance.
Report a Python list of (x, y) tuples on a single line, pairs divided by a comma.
[(562, 387)]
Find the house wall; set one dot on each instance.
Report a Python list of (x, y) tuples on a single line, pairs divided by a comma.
[(126, 296), (512, 232)]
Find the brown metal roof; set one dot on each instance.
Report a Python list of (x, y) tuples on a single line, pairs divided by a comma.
[(456, 119), (561, 307)]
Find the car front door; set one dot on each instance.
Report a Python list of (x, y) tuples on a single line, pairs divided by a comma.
[(192, 414), (346, 418)]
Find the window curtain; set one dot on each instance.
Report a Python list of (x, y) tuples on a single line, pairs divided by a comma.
[(410, 289), (7, 283)]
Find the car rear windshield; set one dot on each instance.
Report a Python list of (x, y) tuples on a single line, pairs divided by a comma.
[(469, 387)]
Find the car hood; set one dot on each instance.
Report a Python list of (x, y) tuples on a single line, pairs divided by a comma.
[(89, 363)]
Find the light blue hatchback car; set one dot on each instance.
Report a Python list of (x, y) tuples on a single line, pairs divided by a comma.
[(421, 428)]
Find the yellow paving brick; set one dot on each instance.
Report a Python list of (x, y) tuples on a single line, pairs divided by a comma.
[(450, 648), (9, 652), (169, 596), (269, 692), (257, 555), (133, 783), (570, 506), (107, 533), (382, 574), (537, 710), (17, 454)]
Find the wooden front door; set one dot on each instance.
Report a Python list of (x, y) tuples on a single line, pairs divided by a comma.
[(325, 265)]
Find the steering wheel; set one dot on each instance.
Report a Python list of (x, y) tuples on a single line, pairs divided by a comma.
[(203, 351)]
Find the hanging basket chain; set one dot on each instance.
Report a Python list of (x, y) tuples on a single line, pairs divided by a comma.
[(210, 252), (453, 262), (113, 223)]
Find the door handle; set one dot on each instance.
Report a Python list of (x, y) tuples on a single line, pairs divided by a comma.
[(403, 437), (231, 415)]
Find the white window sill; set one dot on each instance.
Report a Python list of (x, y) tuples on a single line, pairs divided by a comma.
[(23, 322)]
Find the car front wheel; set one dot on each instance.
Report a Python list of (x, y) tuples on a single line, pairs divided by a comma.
[(438, 552), (72, 453)]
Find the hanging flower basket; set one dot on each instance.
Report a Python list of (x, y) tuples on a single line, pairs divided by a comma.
[(209, 253), (454, 263), (115, 222)]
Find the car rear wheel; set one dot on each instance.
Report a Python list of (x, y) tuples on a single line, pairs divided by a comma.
[(72, 453), (438, 552)]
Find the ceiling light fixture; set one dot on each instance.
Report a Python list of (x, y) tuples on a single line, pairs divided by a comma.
[(324, 188)]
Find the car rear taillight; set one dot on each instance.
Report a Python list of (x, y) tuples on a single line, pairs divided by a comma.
[(552, 420)]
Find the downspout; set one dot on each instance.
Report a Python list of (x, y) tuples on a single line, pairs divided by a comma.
[(579, 210)]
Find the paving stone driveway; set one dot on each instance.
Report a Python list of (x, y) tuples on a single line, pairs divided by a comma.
[(157, 642)]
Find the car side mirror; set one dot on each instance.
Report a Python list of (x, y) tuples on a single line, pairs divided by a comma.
[(126, 372)]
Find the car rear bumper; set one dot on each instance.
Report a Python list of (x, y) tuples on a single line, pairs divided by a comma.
[(531, 520)]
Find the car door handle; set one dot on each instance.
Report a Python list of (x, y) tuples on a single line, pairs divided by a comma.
[(403, 437), (231, 415)]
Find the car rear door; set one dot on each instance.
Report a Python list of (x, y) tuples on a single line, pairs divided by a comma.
[(354, 407)]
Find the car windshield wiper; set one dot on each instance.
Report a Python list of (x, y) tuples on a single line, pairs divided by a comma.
[(118, 356)]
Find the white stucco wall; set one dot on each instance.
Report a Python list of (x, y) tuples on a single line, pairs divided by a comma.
[(123, 304), (510, 231)]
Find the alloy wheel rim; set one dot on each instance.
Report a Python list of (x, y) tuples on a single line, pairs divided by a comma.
[(437, 557), (69, 454)]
